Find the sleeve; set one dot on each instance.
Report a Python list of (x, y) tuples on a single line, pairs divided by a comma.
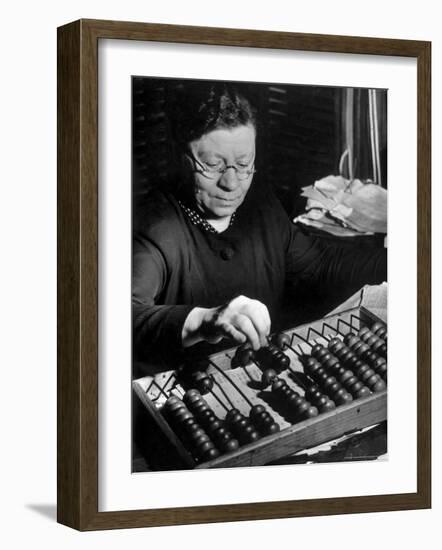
[(326, 265), (155, 327)]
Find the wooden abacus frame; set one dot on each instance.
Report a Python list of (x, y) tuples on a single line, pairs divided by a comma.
[(78, 273)]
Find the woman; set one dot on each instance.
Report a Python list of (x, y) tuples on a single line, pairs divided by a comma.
[(212, 259)]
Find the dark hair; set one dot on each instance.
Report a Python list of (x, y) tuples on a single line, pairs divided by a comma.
[(201, 107)]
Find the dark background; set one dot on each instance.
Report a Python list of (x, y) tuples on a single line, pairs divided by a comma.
[(300, 135)]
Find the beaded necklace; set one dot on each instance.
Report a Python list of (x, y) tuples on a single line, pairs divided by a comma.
[(199, 221)]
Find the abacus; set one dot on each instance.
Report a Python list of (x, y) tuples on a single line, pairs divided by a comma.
[(311, 384)]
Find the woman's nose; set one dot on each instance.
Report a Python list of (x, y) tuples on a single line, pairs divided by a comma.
[(228, 180)]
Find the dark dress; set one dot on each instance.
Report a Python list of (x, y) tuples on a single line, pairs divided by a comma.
[(178, 265)]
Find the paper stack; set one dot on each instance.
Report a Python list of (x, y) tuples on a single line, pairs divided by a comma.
[(345, 207)]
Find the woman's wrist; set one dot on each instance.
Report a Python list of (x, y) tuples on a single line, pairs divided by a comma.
[(191, 333)]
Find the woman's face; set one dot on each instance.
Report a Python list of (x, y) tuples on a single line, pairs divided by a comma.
[(219, 197)]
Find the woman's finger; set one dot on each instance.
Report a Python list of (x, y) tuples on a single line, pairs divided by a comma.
[(244, 324)]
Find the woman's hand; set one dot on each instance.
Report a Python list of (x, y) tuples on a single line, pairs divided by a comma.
[(241, 319)]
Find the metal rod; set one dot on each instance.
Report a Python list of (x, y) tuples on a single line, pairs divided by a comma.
[(243, 395), (353, 316), (217, 396), (227, 398)]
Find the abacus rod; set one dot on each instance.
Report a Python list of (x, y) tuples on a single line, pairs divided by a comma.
[(248, 374), (324, 324), (314, 330), (243, 395), (353, 316), (161, 390), (345, 323), (217, 396), (302, 338), (168, 380), (221, 389)]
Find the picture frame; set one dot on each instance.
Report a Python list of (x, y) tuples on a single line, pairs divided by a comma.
[(78, 274)]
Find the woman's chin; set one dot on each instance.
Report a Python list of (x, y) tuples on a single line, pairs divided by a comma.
[(222, 209)]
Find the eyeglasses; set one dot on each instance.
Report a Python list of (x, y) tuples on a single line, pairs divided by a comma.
[(215, 172)]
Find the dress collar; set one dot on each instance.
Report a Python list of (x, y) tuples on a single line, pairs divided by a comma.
[(199, 221)]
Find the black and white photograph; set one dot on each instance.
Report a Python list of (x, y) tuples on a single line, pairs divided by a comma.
[(259, 274)]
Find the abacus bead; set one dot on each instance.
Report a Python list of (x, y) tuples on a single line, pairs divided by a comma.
[(334, 341), (268, 376), (367, 374), (215, 424), (372, 340), (329, 405), (221, 433), (191, 395), (337, 347), (193, 431), (315, 349), (181, 414), (302, 408), (282, 340), (298, 400), (331, 362), (211, 454), (175, 406), (195, 434), (362, 369), (345, 354), (339, 397), (382, 369), (315, 395), (273, 428), (277, 385), (204, 446), (241, 424), (310, 362), (320, 402), (379, 386), (252, 436), (347, 398), (256, 410), (244, 356), (233, 415), (173, 400), (311, 412), (205, 385), (230, 445), (352, 361), (322, 353), (376, 326), (350, 339), (379, 361), (284, 361), (345, 376), (363, 349), (191, 421), (351, 381), (329, 381), (363, 392), (334, 388), (200, 439), (198, 406), (207, 415), (264, 420), (357, 386)]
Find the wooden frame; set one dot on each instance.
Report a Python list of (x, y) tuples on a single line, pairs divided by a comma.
[(78, 269)]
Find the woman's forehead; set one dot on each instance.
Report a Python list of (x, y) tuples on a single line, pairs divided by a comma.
[(238, 140)]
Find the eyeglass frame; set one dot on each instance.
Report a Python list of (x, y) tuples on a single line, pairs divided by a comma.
[(219, 173)]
